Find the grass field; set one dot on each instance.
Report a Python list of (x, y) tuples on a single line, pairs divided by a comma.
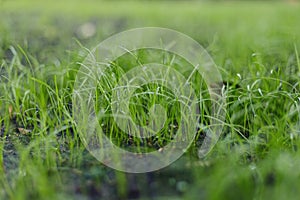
[(256, 47)]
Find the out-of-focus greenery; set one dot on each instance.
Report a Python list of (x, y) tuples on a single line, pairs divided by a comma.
[(256, 47)]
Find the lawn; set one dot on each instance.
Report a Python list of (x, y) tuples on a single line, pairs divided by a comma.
[(255, 46)]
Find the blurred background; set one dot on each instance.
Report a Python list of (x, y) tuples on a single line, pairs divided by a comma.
[(246, 39), (226, 28)]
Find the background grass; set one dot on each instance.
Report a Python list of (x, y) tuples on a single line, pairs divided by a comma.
[(254, 44)]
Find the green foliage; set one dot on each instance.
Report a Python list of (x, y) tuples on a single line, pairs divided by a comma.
[(256, 47)]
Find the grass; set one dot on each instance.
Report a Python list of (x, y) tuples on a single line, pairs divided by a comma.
[(255, 46)]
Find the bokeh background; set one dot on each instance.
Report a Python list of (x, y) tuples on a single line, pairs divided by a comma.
[(248, 40)]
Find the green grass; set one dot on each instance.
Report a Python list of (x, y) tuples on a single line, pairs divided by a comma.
[(255, 46)]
